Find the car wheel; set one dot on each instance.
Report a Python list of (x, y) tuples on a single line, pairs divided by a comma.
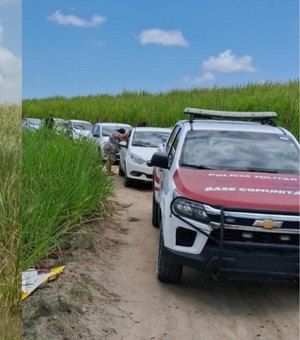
[(155, 212), (167, 272), (121, 172), (127, 181)]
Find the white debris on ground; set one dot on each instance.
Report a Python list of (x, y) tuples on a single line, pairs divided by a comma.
[(32, 279)]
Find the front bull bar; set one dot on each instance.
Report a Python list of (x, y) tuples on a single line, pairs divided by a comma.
[(221, 242)]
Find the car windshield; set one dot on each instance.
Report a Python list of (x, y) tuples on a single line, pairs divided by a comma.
[(240, 151), (149, 139), (83, 126), (107, 130)]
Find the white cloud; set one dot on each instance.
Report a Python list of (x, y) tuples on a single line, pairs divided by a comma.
[(206, 77), (10, 74), (73, 20), (227, 62), (161, 37)]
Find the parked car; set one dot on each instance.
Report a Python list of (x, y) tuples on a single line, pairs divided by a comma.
[(78, 129), (31, 123), (101, 132), (226, 197), (60, 125), (136, 153), (57, 124)]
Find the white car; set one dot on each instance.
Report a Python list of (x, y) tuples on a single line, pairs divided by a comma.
[(78, 129), (102, 131), (136, 153), (226, 197), (59, 125), (31, 123)]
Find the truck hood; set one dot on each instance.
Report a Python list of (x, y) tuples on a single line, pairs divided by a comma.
[(240, 190)]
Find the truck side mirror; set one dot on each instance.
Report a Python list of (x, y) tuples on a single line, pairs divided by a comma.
[(160, 160)]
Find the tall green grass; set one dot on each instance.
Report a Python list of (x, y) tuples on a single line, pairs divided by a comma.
[(164, 109), (10, 247), (63, 184)]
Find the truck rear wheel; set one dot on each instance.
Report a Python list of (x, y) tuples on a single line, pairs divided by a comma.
[(167, 272)]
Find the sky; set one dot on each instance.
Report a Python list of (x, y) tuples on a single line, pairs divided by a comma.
[(10, 51), (88, 47)]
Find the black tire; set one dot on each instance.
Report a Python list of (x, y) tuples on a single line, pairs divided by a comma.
[(167, 272), (127, 181), (121, 172), (155, 212)]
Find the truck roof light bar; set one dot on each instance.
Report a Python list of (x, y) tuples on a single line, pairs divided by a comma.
[(263, 117)]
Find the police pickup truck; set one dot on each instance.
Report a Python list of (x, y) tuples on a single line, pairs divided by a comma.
[(226, 197)]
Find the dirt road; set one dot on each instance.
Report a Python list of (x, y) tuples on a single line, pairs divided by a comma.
[(127, 302), (198, 308)]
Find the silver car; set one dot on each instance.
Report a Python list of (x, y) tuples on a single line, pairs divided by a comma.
[(78, 129), (102, 131), (31, 123)]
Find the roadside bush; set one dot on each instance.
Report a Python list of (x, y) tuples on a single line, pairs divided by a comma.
[(165, 109), (63, 185), (10, 248)]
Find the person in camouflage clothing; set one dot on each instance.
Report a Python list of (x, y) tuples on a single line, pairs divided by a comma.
[(112, 148)]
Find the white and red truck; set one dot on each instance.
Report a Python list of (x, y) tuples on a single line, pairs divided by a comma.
[(226, 197)]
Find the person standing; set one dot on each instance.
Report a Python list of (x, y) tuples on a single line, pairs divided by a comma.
[(112, 148)]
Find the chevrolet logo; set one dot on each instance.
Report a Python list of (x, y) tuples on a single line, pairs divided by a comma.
[(267, 224)]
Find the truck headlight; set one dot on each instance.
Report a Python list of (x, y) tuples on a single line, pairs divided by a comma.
[(137, 159), (189, 209)]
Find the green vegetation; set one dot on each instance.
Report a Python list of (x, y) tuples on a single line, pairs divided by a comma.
[(10, 249), (63, 186), (164, 109)]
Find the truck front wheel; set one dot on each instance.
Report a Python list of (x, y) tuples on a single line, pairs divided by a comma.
[(166, 271)]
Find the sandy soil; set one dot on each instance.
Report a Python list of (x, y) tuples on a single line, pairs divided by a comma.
[(122, 299)]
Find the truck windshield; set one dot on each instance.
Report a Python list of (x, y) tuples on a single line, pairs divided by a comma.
[(240, 151)]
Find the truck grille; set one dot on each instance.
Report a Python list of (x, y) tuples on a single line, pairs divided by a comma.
[(242, 226), (256, 237)]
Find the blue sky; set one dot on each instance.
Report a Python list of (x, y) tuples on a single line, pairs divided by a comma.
[(77, 47)]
